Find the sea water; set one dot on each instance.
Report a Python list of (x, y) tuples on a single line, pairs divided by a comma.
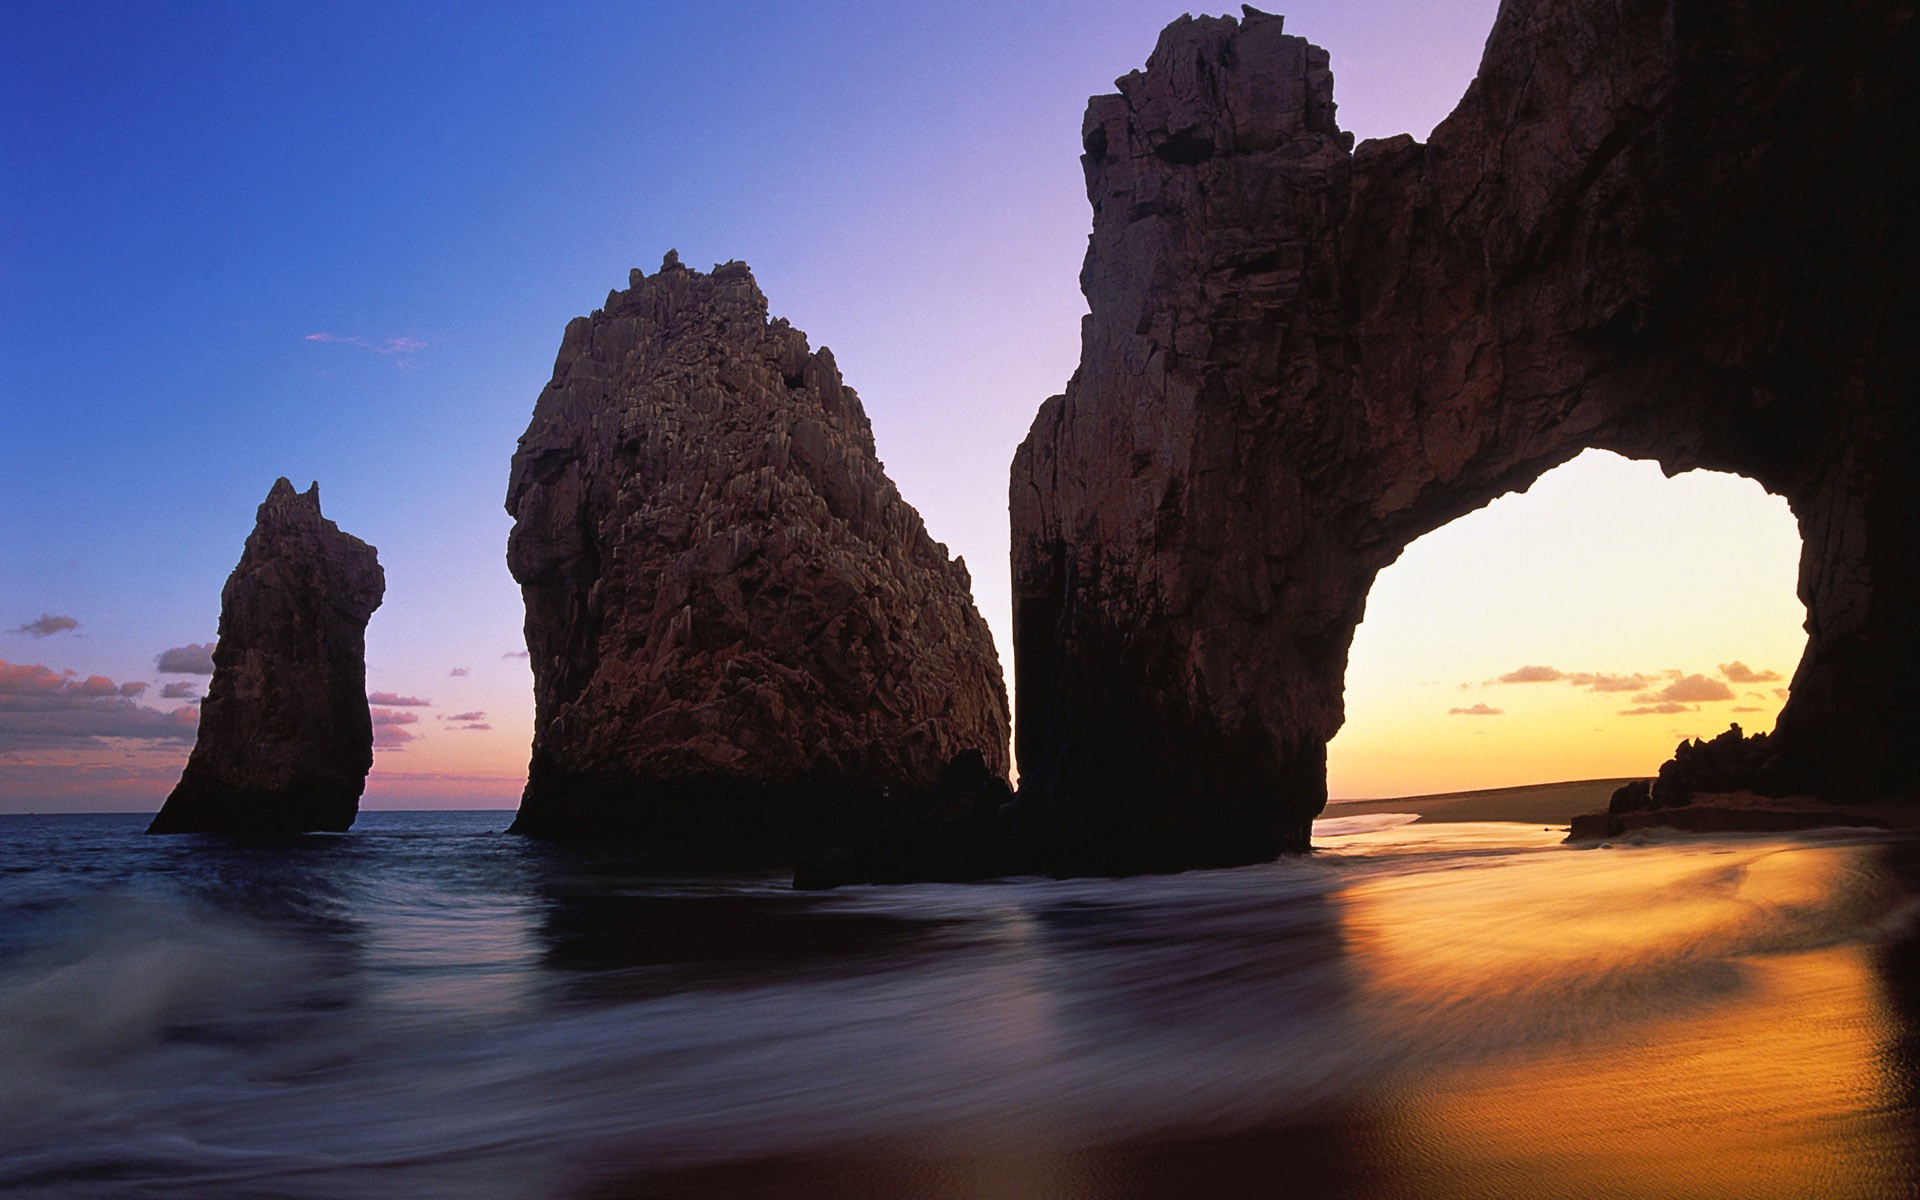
[(427, 1006)]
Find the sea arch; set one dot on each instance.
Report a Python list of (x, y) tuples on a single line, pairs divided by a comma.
[(1301, 356), (1574, 631)]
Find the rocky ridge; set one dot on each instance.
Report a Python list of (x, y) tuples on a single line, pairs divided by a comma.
[(285, 739), (1671, 230), (738, 629)]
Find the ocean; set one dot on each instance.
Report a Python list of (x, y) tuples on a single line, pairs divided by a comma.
[(427, 1006)]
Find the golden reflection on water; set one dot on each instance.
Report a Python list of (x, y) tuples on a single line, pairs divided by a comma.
[(1673, 1025)]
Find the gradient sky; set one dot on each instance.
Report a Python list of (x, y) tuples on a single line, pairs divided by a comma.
[(340, 243)]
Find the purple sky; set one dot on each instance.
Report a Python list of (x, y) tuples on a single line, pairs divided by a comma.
[(340, 242)]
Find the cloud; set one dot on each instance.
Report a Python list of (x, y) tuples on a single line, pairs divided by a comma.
[(1534, 675), (47, 625), (179, 691), (195, 658), (1657, 710), (1746, 708), (481, 725), (458, 673), (389, 732), (394, 700), (1740, 672), (1478, 710), (401, 349), (468, 716), (1780, 693), (41, 708), (1695, 689), (1611, 683), (514, 654)]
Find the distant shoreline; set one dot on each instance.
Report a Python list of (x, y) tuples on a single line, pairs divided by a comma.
[(1532, 804)]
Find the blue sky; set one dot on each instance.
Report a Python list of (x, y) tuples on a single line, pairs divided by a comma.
[(340, 243)]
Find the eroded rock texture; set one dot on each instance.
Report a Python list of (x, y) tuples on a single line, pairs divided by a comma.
[(285, 738), (738, 629), (1679, 231)]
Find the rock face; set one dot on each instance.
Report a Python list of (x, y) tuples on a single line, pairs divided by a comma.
[(738, 629), (1672, 230), (285, 738)]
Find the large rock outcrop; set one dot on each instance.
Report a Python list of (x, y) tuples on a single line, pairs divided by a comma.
[(738, 629), (1675, 229), (285, 739)]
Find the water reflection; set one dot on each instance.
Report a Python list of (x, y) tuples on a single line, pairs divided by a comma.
[(424, 1009)]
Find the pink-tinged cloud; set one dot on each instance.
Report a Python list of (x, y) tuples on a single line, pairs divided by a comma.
[(41, 708), (195, 658), (480, 725), (394, 700), (46, 625), (1740, 672), (468, 716), (387, 716), (179, 691), (390, 737), (1696, 689), (458, 673), (1478, 710), (1534, 675), (394, 347), (1657, 710)]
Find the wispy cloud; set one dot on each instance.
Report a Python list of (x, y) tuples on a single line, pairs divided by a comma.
[(1477, 710), (401, 349), (192, 659), (468, 716), (46, 625), (395, 700), (458, 673), (514, 654)]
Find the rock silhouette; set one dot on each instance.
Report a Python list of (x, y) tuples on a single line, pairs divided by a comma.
[(1678, 231), (285, 738), (739, 631)]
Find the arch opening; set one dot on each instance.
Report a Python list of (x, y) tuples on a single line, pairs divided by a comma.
[(1576, 630)]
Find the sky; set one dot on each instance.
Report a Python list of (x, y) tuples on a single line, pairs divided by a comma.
[(340, 243)]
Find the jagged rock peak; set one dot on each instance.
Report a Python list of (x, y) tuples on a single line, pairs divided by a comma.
[(285, 738), (737, 627)]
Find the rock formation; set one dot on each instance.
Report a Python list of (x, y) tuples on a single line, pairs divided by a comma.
[(285, 738), (1676, 230), (738, 629)]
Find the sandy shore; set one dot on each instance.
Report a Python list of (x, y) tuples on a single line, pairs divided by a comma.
[(1534, 804)]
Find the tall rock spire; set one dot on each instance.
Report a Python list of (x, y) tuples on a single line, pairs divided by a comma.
[(285, 738)]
